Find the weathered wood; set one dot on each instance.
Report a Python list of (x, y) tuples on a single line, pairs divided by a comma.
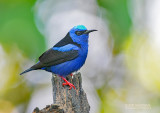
[(71, 101), (49, 109), (65, 100)]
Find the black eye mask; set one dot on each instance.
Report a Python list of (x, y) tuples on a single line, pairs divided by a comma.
[(78, 33)]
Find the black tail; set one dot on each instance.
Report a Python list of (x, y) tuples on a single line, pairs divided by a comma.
[(26, 71), (39, 65)]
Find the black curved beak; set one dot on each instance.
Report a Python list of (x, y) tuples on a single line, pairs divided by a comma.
[(89, 31)]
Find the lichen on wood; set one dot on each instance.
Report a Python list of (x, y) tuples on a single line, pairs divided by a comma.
[(72, 101)]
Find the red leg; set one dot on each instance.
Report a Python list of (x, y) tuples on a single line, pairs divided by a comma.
[(67, 83)]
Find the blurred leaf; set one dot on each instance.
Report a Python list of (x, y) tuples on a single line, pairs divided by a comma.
[(17, 27), (19, 94), (118, 19), (142, 60), (13, 88), (6, 106), (107, 96)]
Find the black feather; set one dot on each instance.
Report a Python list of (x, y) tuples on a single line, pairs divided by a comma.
[(66, 40), (26, 71)]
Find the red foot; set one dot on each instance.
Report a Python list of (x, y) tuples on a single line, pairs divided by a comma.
[(67, 83)]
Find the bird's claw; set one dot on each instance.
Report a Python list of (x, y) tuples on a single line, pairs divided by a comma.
[(71, 74), (69, 84)]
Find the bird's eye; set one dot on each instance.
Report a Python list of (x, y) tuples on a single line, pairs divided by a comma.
[(78, 33)]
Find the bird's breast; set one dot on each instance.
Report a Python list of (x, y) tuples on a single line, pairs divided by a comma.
[(83, 51)]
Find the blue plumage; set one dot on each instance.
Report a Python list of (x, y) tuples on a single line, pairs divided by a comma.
[(72, 65), (67, 47), (66, 56)]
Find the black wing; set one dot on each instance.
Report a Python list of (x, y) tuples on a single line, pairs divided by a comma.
[(54, 57)]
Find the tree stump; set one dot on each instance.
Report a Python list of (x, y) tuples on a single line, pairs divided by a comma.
[(67, 101)]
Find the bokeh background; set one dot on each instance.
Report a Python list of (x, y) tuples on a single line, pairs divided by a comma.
[(122, 71)]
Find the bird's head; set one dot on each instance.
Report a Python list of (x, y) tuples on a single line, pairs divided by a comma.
[(80, 34)]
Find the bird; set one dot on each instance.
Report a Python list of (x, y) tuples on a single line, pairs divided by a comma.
[(66, 56)]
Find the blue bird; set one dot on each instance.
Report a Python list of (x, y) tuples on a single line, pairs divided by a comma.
[(67, 56)]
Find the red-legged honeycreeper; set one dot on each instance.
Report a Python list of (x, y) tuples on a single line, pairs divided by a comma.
[(67, 56)]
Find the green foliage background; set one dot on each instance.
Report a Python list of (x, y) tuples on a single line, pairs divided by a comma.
[(21, 41), (117, 15), (17, 27), (18, 35)]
